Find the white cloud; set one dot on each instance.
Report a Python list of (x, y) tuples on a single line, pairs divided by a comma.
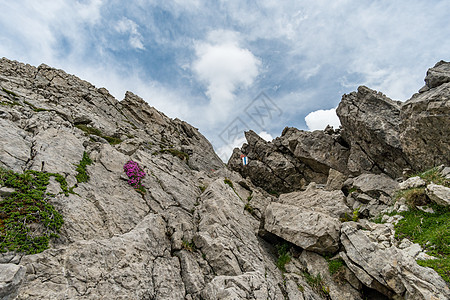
[(224, 66), (319, 119), (225, 151), (127, 26)]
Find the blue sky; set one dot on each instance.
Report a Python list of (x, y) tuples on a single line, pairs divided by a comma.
[(205, 62)]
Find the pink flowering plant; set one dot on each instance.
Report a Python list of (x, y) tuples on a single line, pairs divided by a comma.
[(135, 175)]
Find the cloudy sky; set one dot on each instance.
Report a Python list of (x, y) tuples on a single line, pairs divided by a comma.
[(228, 66)]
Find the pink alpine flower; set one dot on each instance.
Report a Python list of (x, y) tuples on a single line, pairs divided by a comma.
[(134, 173)]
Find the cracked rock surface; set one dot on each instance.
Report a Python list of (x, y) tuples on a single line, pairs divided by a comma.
[(201, 229)]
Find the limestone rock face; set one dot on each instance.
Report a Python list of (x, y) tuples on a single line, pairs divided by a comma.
[(291, 161), (187, 237), (331, 203), (377, 135), (385, 268)]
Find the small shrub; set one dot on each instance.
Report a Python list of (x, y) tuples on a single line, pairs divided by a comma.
[(82, 175), (135, 175), (189, 246), (352, 190), (414, 197), (316, 282), (202, 188)]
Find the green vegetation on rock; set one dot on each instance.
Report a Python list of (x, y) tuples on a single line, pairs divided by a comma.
[(432, 232), (82, 175), (284, 256), (97, 132), (334, 265), (27, 220), (433, 175), (177, 153)]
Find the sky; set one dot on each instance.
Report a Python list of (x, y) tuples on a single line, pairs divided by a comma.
[(229, 66)]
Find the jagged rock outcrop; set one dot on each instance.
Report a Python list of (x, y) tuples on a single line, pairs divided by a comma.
[(370, 123), (378, 135), (425, 134), (194, 229)]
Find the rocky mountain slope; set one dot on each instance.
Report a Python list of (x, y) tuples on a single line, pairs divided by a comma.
[(293, 224)]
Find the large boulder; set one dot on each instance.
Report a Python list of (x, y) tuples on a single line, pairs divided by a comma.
[(331, 203), (378, 264), (310, 230)]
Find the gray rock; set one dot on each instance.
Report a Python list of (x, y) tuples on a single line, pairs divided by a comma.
[(370, 122), (6, 192), (439, 194), (438, 75), (335, 180), (375, 185), (412, 182), (339, 288), (425, 122), (313, 231), (388, 269), (11, 277), (331, 203)]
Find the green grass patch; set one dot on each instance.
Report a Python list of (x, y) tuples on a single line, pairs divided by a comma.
[(422, 227), (97, 132), (335, 265), (27, 220), (36, 109), (432, 232), (82, 175)]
